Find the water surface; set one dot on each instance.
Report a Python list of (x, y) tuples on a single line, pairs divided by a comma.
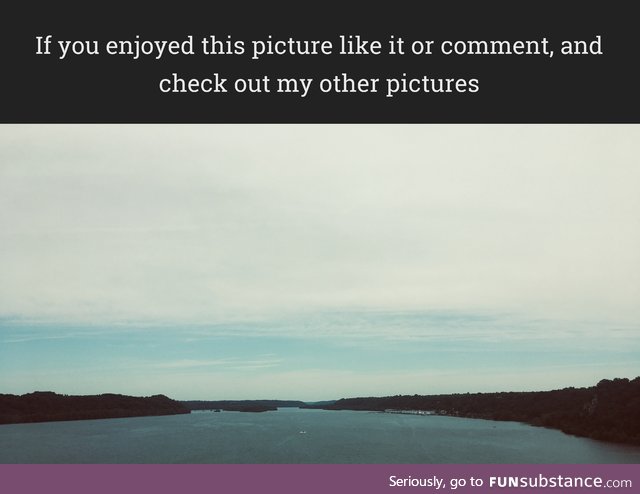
[(300, 436)]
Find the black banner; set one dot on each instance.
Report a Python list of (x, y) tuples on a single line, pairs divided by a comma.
[(397, 62)]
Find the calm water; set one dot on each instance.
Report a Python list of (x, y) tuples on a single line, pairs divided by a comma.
[(275, 437)]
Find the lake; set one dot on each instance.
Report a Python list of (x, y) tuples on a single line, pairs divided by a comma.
[(291, 435)]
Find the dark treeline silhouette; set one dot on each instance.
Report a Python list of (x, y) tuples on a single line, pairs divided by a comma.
[(46, 406), (242, 405), (609, 411)]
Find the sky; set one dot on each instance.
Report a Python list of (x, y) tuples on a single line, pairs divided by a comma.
[(316, 262)]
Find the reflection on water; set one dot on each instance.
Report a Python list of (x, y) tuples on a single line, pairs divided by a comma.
[(300, 436)]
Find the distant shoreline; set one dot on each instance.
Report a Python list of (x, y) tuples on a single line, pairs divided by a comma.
[(47, 406), (609, 411), (242, 405)]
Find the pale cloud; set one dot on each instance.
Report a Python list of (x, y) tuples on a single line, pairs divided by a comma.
[(197, 223), (410, 237), (229, 363)]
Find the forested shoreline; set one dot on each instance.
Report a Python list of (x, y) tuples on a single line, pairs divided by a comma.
[(46, 406), (242, 405), (609, 411)]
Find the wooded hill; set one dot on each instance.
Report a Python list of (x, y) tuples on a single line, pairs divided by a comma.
[(609, 411), (242, 405), (46, 406)]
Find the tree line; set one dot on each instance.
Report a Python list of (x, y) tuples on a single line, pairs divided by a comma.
[(46, 406), (609, 411)]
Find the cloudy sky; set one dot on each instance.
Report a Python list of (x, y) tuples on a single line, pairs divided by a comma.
[(316, 262)]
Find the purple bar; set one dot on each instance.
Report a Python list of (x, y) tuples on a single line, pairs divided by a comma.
[(314, 479)]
